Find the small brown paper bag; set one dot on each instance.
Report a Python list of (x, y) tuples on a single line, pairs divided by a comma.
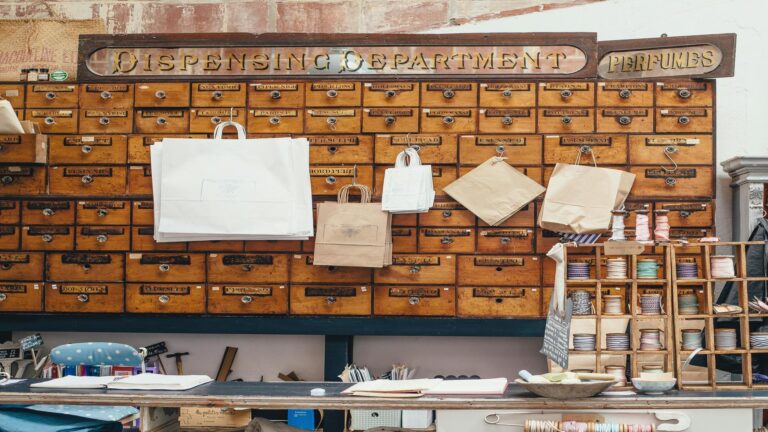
[(494, 191), (353, 234)]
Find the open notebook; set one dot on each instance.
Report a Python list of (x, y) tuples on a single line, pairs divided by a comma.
[(135, 382), (434, 387)]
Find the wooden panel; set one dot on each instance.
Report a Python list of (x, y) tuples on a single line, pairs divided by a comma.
[(106, 95), (429, 269), (216, 246), (566, 120), (521, 149), (447, 214), (625, 120), (684, 120), (140, 180), (447, 120), (223, 95), (414, 301), (143, 213), (505, 240), (47, 237), (153, 95), (87, 149), (272, 245), (327, 180), (449, 94), (446, 240), (275, 121), (165, 298), (21, 266), (248, 268), (79, 297), (16, 180), (561, 93), (683, 149), (103, 213), (142, 240), (625, 93), (9, 237), (390, 94), (346, 120), (138, 145), (259, 299), (53, 121), (303, 271), (498, 302), (22, 148), (333, 94), (78, 267), (52, 96), (404, 239), (158, 267), (684, 93), (607, 149), (205, 120), (87, 180), (507, 120), (689, 213), (433, 149), (105, 121), (103, 237), (276, 94), (683, 182), (10, 212), (390, 120), (499, 270), (162, 121), (13, 93), (330, 300), (48, 212), (507, 94), (340, 149), (21, 297)]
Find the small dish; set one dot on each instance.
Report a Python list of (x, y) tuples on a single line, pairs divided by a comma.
[(653, 387)]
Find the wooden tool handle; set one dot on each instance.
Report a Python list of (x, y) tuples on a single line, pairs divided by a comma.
[(596, 376)]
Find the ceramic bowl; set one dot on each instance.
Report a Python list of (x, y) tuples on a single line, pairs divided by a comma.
[(653, 387), (566, 391)]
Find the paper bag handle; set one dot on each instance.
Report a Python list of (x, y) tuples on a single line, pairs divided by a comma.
[(413, 159), (365, 193), (221, 126)]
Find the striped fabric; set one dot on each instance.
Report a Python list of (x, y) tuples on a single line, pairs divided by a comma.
[(580, 238)]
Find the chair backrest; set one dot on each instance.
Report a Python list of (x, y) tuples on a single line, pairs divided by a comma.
[(96, 353)]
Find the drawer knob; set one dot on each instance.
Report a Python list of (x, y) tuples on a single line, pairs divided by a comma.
[(448, 93), (274, 120), (499, 300), (106, 95), (498, 269), (448, 120), (246, 267), (331, 121), (217, 95), (389, 120), (101, 238), (6, 266), (86, 266), (330, 299), (684, 93), (670, 149), (160, 94), (49, 120), (566, 120), (331, 93), (333, 149), (102, 212), (2, 297), (684, 214), (86, 179), (447, 213), (161, 121), (670, 181), (246, 299), (104, 121), (83, 298), (47, 238), (330, 180), (1, 147), (50, 95), (164, 267), (331, 268), (49, 212), (86, 148), (506, 120), (413, 300), (683, 120), (163, 299), (507, 93), (446, 240), (275, 94), (414, 269), (624, 120), (625, 93), (504, 240), (390, 93), (565, 94), (7, 179), (215, 120)]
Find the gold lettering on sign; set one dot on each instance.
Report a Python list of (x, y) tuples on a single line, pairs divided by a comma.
[(447, 232), (10, 139), (88, 140), (401, 232), (81, 171), (332, 113), (385, 112), (501, 140), (420, 260), (660, 62), (579, 86), (53, 88), (217, 112), (271, 86), (507, 86), (688, 85), (106, 113), (333, 86), (274, 113), (688, 207), (515, 233), (52, 113), (414, 292), (625, 85), (247, 290), (592, 140), (163, 113), (688, 112), (665, 141), (507, 113), (13, 288), (333, 140), (334, 171), (566, 112), (84, 289), (448, 112), (625, 112), (219, 87), (422, 140), (156, 289), (114, 88), (678, 173), (499, 261), (498, 292), (14, 258)]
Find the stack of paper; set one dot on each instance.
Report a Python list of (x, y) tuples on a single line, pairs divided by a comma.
[(234, 189), (145, 381), (434, 387)]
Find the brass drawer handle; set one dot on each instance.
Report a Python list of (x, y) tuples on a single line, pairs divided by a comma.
[(246, 267), (3, 297), (164, 267), (330, 299), (86, 149), (86, 266), (566, 120), (246, 299), (446, 240), (683, 120), (332, 268), (50, 96), (49, 120), (625, 93), (274, 120), (6, 266), (670, 181), (506, 120), (389, 120), (102, 238), (624, 120), (505, 240), (390, 93), (86, 179), (685, 214), (447, 213), (217, 95), (83, 298), (499, 300), (161, 121), (47, 238), (414, 269), (413, 300), (330, 180), (331, 93), (102, 212), (507, 93), (448, 120), (160, 94), (448, 93), (684, 93), (106, 95), (331, 121), (565, 94), (275, 94), (163, 299), (49, 212), (104, 121), (333, 149), (6, 180), (215, 120)]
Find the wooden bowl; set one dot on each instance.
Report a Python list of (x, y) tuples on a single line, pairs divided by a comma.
[(566, 391)]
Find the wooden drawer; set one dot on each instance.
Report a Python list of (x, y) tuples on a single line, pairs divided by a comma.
[(689, 213), (449, 94), (327, 180), (248, 268), (505, 240), (625, 93), (509, 94), (18, 180), (303, 271), (216, 246), (106, 121), (276, 94), (345, 120), (433, 149), (165, 298), (414, 301), (153, 95), (629, 120), (523, 218), (445, 120), (333, 94), (683, 182), (390, 94), (21, 266), (87, 180), (248, 299), (142, 240), (507, 120), (491, 270), (336, 149), (272, 245), (13, 93), (566, 120), (102, 237), (47, 237), (684, 93), (54, 121), (407, 220), (275, 121), (21, 297), (684, 120), (390, 120), (222, 95), (138, 145), (162, 121), (48, 213), (24, 148), (78, 267), (330, 300), (103, 213), (143, 213), (10, 212), (447, 214), (140, 180), (106, 95), (82, 297), (562, 94), (404, 239), (683, 149), (156, 267), (520, 149), (52, 96), (429, 269), (446, 240), (205, 120), (692, 235), (607, 149), (442, 176), (9, 237), (498, 302), (83, 149)]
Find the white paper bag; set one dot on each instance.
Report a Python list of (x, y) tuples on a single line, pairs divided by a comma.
[(408, 187), (9, 121)]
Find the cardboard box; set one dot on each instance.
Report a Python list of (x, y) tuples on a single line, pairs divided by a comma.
[(197, 417)]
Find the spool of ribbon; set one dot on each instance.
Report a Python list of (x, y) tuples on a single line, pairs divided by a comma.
[(722, 266), (661, 233), (642, 227), (617, 225)]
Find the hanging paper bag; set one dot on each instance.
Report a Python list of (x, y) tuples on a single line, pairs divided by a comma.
[(408, 186)]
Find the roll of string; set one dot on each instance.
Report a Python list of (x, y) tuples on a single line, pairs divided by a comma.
[(647, 269), (617, 225), (661, 232), (642, 227), (577, 426), (582, 304), (722, 266), (616, 268)]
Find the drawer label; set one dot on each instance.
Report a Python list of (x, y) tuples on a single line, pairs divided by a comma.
[(274, 86), (52, 113), (688, 85), (247, 290), (590, 140), (449, 86), (334, 292), (247, 259), (506, 86), (389, 86), (14, 258), (386, 112), (431, 112), (498, 292), (507, 112), (334, 140), (515, 233), (678, 173), (499, 261), (447, 205), (414, 292), (688, 207), (113, 88), (332, 113), (52, 230), (575, 86), (401, 232), (13, 288), (690, 232), (217, 112), (665, 141), (688, 112), (624, 85), (566, 112), (274, 113), (446, 232), (88, 140), (90, 171), (421, 140), (98, 205), (218, 87), (342, 86), (85, 258), (54, 205), (625, 112), (53, 88), (164, 289), (7, 230), (89, 231), (145, 205), (7, 205), (166, 259), (10, 139), (334, 171), (416, 260), (16, 171), (113, 113), (146, 231), (84, 289), (501, 140), (164, 113)]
